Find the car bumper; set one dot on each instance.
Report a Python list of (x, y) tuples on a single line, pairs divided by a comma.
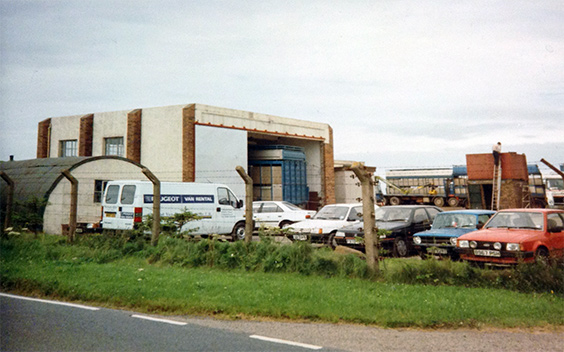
[(437, 250), (313, 238), (496, 257)]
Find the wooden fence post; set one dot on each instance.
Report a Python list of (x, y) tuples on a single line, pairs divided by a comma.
[(370, 231)]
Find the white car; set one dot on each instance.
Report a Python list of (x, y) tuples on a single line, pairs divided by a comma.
[(323, 226), (278, 214)]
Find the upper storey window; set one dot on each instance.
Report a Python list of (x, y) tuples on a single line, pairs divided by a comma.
[(68, 148), (114, 146)]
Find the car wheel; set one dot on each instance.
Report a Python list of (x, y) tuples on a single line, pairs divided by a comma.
[(541, 255), (331, 242), (284, 223), (452, 202), (238, 233), (395, 201), (400, 247), (439, 201)]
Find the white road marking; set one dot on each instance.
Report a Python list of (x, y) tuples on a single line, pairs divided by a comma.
[(159, 320), (50, 302), (286, 342)]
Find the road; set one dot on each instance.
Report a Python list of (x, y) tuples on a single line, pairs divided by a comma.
[(37, 325), (40, 325)]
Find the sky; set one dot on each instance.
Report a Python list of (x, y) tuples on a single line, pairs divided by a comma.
[(402, 83)]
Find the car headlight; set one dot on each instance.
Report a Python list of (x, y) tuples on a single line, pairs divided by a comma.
[(453, 241), (513, 247), (340, 234), (463, 244), (417, 240), (497, 246), (473, 244)]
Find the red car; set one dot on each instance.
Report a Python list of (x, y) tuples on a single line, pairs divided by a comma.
[(515, 235)]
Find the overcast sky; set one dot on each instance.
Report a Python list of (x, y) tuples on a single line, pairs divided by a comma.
[(402, 83)]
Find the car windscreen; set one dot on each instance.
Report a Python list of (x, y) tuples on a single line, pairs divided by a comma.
[(392, 214), (443, 221), (516, 220), (332, 213)]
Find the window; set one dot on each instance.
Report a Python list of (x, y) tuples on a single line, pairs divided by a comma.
[(114, 146), (432, 212), (420, 216), (271, 208), (99, 188), (68, 148), (356, 214), (112, 194), (226, 197), (128, 194)]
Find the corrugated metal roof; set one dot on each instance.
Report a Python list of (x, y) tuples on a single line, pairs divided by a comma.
[(38, 177)]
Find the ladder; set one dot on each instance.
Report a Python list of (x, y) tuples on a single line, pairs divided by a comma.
[(496, 187), (526, 197)]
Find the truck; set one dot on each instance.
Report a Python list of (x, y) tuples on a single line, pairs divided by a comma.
[(127, 202), (438, 186)]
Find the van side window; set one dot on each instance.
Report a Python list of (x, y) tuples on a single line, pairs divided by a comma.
[(225, 197), (127, 194), (112, 194)]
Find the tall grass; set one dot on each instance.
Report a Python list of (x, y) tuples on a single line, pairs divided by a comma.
[(270, 279)]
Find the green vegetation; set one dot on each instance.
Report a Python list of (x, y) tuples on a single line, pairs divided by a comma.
[(268, 280)]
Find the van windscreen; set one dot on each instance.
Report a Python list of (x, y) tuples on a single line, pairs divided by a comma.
[(127, 194), (112, 194)]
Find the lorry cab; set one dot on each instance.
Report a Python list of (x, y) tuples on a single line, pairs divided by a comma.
[(127, 202)]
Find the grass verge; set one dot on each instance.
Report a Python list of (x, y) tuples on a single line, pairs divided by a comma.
[(121, 276)]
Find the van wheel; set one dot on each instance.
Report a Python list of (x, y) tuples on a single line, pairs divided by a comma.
[(238, 233)]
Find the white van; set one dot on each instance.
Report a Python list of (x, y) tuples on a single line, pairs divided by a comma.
[(125, 204)]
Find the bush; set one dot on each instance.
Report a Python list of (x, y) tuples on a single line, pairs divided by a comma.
[(273, 257)]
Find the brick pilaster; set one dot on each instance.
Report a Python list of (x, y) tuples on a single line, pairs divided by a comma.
[(189, 143), (85, 135), (329, 170), (133, 148), (43, 138)]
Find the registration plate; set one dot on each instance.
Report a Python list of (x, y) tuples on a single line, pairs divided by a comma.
[(487, 253), (110, 215), (300, 237), (351, 241), (437, 250)]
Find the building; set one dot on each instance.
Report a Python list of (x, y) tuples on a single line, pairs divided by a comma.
[(42, 179), (347, 185), (198, 143), (514, 189)]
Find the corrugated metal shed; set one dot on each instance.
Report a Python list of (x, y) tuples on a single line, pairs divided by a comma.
[(38, 177)]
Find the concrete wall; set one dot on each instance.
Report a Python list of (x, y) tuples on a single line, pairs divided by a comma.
[(346, 189), (58, 207), (218, 152), (63, 128), (165, 149), (251, 121), (106, 125), (161, 145)]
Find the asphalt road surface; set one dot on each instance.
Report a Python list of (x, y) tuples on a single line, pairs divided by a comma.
[(38, 325)]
